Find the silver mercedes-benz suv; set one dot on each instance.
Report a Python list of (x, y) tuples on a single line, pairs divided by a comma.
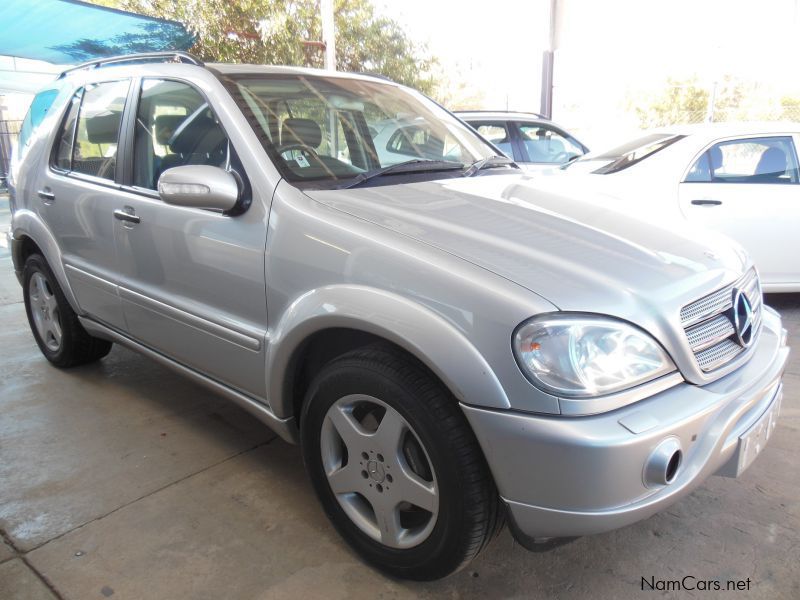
[(452, 347)]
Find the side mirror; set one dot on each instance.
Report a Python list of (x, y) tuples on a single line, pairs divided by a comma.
[(199, 186)]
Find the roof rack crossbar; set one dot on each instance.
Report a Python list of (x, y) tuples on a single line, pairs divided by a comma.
[(171, 55)]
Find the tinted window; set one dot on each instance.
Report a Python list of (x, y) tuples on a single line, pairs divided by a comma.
[(39, 106), (546, 145), (635, 152), (174, 127), (497, 133), (97, 134), (752, 160), (67, 135)]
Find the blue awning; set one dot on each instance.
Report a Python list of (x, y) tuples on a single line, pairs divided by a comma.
[(70, 32)]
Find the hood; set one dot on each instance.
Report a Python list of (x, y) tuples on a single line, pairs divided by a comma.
[(580, 251)]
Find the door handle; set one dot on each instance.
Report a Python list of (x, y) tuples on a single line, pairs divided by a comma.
[(127, 215), (707, 202), (46, 196)]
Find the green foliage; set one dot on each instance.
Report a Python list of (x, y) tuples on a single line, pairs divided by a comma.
[(680, 102), (687, 101), (273, 32)]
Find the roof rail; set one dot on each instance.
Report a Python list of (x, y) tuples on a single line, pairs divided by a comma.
[(168, 56), (375, 75), (521, 112)]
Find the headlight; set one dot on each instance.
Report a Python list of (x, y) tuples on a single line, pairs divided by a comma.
[(580, 355)]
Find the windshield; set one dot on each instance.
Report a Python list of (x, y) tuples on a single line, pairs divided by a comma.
[(628, 154), (328, 130)]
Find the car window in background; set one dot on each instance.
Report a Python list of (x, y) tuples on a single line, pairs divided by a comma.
[(544, 144), (634, 152), (40, 104), (751, 160), (174, 127), (497, 133), (97, 133)]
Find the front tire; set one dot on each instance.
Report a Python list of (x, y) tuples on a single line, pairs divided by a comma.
[(55, 326), (396, 466)]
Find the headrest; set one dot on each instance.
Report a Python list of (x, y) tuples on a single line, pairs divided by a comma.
[(716, 157), (103, 129), (200, 135), (166, 126), (772, 162), (301, 131)]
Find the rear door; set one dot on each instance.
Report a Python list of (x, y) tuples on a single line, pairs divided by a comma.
[(749, 189), (78, 194), (191, 280)]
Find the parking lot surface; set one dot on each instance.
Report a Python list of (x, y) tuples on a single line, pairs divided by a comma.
[(123, 480)]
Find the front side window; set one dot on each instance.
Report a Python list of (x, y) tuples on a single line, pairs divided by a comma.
[(546, 145), (97, 133), (497, 133), (333, 129), (175, 126), (751, 160)]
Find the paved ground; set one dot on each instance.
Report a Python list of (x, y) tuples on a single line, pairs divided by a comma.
[(123, 480)]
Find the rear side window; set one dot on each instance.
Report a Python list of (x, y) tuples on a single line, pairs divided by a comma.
[(97, 133), (750, 160), (66, 137), (36, 113), (497, 133), (635, 152)]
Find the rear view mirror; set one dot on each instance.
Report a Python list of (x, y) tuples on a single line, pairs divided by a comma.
[(199, 186)]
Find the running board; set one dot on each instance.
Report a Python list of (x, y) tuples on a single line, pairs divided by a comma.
[(286, 428)]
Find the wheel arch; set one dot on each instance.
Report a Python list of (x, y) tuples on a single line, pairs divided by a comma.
[(30, 235), (329, 321)]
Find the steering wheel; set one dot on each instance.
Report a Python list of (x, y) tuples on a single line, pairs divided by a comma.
[(302, 147)]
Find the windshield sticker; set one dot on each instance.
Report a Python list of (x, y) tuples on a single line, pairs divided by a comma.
[(301, 161)]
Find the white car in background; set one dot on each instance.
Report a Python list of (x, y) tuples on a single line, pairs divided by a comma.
[(533, 142), (740, 179)]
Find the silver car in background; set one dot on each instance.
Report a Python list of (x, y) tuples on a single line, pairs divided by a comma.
[(452, 347), (534, 142)]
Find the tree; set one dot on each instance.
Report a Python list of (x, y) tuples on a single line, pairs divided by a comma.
[(273, 32), (687, 101), (680, 102)]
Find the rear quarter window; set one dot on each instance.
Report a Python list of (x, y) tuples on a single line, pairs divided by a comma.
[(40, 105)]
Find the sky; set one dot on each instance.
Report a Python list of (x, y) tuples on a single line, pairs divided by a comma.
[(607, 50)]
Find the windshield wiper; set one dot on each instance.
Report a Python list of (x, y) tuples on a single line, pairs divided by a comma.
[(414, 165), (488, 163)]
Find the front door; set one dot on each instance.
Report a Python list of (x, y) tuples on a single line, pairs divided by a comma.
[(748, 188), (192, 280)]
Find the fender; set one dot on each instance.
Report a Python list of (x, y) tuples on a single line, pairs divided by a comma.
[(429, 337), (26, 223)]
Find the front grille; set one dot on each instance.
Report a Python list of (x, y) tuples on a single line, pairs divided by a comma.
[(709, 325)]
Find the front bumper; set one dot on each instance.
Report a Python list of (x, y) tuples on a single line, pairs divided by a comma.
[(573, 476)]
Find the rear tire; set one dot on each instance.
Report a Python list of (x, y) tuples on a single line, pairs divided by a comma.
[(426, 452), (55, 326)]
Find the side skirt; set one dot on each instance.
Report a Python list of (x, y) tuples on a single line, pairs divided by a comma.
[(285, 428)]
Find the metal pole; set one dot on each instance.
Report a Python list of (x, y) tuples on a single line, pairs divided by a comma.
[(712, 99), (328, 34), (548, 64)]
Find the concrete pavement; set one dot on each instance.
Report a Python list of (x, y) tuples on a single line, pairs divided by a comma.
[(123, 480)]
